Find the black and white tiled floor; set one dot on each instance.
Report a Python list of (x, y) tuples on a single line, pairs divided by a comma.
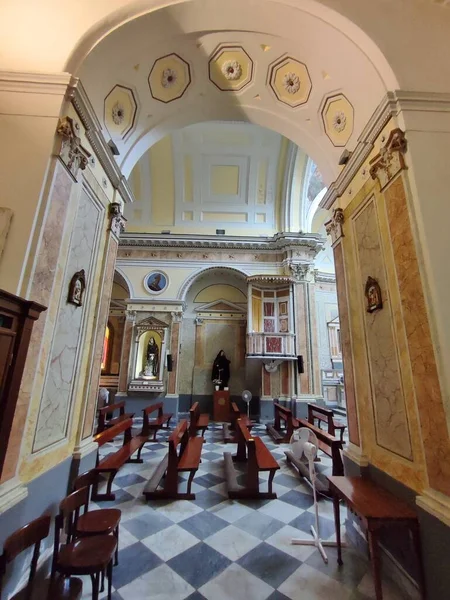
[(222, 549)]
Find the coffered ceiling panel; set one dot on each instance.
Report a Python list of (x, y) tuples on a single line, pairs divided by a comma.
[(290, 82), (169, 78), (120, 111), (230, 68)]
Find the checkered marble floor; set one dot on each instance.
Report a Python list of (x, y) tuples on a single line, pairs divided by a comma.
[(222, 549)]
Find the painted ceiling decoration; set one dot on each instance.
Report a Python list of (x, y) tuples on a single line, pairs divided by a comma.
[(120, 110), (230, 68), (290, 82), (169, 78), (338, 118)]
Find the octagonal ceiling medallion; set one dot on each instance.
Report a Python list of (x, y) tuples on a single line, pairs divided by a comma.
[(230, 68), (290, 82), (120, 108), (338, 117), (169, 78)]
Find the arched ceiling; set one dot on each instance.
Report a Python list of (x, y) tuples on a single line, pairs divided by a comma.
[(162, 71), (219, 175)]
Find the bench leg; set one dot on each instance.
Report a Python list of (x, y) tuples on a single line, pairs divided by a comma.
[(270, 480), (190, 480), (138, 458), (108, 495)]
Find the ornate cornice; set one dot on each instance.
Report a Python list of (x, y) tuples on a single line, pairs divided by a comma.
[(389, 162), (46, 83), (322, 277), (270, 279), (334, 225), (77, 95), (280, 241)]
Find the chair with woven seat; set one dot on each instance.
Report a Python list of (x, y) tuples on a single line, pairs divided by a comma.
[(59, 588), (92, 555), (100, 521)]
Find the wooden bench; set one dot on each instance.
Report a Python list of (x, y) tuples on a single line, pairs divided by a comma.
[(161, 421), (183, 456), (112, 463), (258, 458), (283, 426), (229, 429), (197, 421), (325, 415), (328, 444), (102, 414)]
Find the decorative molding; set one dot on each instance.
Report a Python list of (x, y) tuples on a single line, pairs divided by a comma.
[(77, 95), (436, 504), (151, 324), (334, 225), (270, 279), (391, 106), (323, 277), (71, 151), (130, 315), (390, 161), (38, 83), (12, 492), (117, 220), (300, 271), (280, 241)]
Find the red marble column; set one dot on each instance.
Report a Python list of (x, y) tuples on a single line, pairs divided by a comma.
[(126, 351), (174, 348)]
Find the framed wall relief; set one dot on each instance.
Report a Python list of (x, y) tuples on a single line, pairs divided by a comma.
[(373, 295), (156, 282), (76, 288)]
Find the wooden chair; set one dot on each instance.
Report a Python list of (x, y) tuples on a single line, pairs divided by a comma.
[(60, 588), (103, 521), (102, 414), (197, 420), (258, 458), (92, 555), (161, 421), (187, 459), (283, 426), (112, 463)]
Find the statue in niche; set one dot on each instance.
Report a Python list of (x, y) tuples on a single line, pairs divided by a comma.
[(151, 366), (221, 371), (76, 288)]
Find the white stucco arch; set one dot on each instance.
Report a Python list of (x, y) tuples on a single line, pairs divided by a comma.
[(193, 277)]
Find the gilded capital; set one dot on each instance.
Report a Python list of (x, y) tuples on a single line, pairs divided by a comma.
[(334, 225), (71, 151), (390, 161)]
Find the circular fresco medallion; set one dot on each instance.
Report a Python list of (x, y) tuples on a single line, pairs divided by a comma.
[(156, 282)]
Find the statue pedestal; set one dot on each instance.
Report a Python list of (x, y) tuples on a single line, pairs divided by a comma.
[(222, 406)]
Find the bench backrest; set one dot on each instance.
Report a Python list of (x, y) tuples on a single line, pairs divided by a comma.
[(281, 412), (328, 444), (110, 408), (324, 414), (179, 436), (245, 442), (109, 434), (194, 413), (235, 413), (146, 412)]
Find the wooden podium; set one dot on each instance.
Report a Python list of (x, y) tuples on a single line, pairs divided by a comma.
[(222, 406)]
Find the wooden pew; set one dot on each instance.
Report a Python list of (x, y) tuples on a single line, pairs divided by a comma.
[(284, 424), (161, 421), (112, 463), (328, 444), (229, 429), (197, 421), (102, 414), (258, 458), (325, 415), (183, 455)]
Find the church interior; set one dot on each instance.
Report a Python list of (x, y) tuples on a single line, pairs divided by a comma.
[(224, 333)]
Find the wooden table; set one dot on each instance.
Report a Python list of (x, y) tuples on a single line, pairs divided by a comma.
[(377, 508), (221, 406)]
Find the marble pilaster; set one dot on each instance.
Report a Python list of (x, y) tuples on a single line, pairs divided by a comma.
[(126, 352), (174, 351)]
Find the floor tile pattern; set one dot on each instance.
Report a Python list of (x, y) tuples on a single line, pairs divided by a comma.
[(214, 548)]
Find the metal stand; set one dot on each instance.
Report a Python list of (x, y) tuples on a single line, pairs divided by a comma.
[(315, 531)]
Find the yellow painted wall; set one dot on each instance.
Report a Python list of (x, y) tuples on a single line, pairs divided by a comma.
[(216, 292), (162, 181)]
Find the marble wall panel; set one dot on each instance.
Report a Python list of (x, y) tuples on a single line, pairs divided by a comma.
[(102, 319), (432, 415), (302, 337), (326, 309), (61, 371), (41, 289), (346, 344), (188, 351), (390, 415), (172, 383), (125, 355)]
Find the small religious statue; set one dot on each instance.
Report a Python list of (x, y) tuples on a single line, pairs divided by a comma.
[(221, 371), (373, 295), (151, 367), (76, 288)]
